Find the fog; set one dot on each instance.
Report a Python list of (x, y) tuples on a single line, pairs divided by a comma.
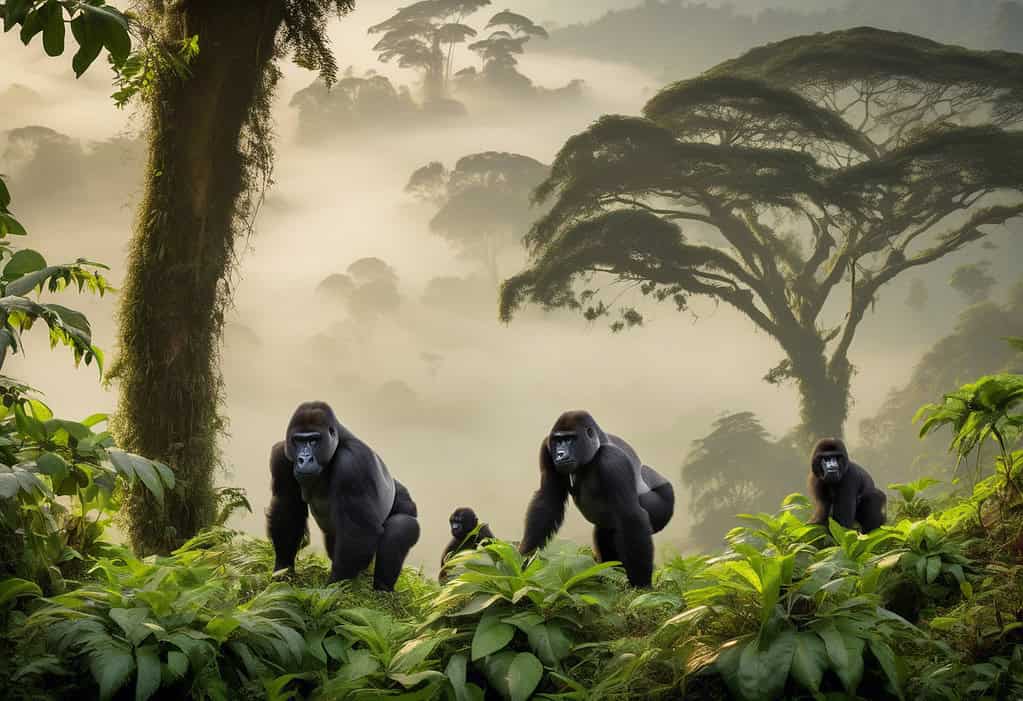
[(454, 402)]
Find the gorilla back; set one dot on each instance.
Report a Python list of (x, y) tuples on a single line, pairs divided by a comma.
[(361, 509), (624, 499)]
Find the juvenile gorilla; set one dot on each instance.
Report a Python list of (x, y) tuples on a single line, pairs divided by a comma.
[(463, 521), (843, 490), (626, 501), (363, 511)]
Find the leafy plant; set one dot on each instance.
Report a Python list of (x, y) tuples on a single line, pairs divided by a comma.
[(979, 411), (913, 505)]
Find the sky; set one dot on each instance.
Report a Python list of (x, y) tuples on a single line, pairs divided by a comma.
[(454, 402)]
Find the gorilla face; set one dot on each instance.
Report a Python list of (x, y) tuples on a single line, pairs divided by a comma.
[(830, 460), (311, 441), (832, 467), (573, 442), (462, 522)]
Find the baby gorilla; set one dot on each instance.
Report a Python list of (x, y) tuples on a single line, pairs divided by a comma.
[(364, 512), (463, 521), (843, 490), (625, 500)]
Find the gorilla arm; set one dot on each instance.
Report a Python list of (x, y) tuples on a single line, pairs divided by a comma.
[(546, 510), (288, 514)]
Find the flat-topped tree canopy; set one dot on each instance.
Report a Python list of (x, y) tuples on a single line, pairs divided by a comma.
[(802, 166)]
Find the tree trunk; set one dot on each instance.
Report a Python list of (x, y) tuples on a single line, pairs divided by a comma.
[(204, 152), (824, 398)]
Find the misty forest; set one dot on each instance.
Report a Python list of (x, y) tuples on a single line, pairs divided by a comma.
[(290, 291)]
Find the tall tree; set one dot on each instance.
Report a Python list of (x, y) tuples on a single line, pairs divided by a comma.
[(483, 203), (808, 171), (423, 36), (209, 160), (498, 51)]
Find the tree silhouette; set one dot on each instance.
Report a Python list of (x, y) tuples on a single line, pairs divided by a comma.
[(973, 281), (810, 170), (498, 51), (483, 203), (735, 469), (423, 36)]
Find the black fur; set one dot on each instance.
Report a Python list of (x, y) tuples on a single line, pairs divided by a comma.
[(846, 493), (463, 521), (625, 500), (361, 509)]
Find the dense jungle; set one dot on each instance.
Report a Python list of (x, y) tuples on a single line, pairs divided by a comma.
[(290, 291)]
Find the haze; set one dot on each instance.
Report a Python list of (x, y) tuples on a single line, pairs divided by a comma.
[(454, 402)]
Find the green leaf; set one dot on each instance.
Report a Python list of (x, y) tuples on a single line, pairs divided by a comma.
[(550, 643), (809, 660), (111, 666), (12, 588), (491, 635), (53, 31), (34, 22), (90, 43), (412, 654), (410, 680), (147, 662), (933, 568), (477, 604), (886, 658), (361, 663), (11, 226), (524, 676), (115, 33), (132, 622), (762, 673), (177, 664), (53, 465), (23, 262), (852, 671), (455, 672), (132, 465), (5, 195), (14, 14)]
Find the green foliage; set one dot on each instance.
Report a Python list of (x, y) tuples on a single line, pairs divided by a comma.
[(912, 504), (24, 273), (979, 411), (94, 24)]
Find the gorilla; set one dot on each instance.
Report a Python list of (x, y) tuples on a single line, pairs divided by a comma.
[(843, 490), (625, 500), (463, 521), (363, 511)]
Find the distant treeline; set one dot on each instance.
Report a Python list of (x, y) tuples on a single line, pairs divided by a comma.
[(678, 38)]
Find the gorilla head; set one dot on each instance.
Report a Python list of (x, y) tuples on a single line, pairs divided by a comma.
[(311, 440), (574, 441), (463, 520), (830, 460)]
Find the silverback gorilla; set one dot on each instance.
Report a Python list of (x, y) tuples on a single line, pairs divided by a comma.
[(626, 501), (842, 489), (463, 520), (363, 511)]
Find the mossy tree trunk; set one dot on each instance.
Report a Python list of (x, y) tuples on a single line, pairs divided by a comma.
[(205, 135)]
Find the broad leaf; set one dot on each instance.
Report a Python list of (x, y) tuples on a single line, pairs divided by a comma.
[(491, 635), (524, 676), (12, 588), (111, 666), (762, 673), (147, 662), (809, 660), (21, 263)]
